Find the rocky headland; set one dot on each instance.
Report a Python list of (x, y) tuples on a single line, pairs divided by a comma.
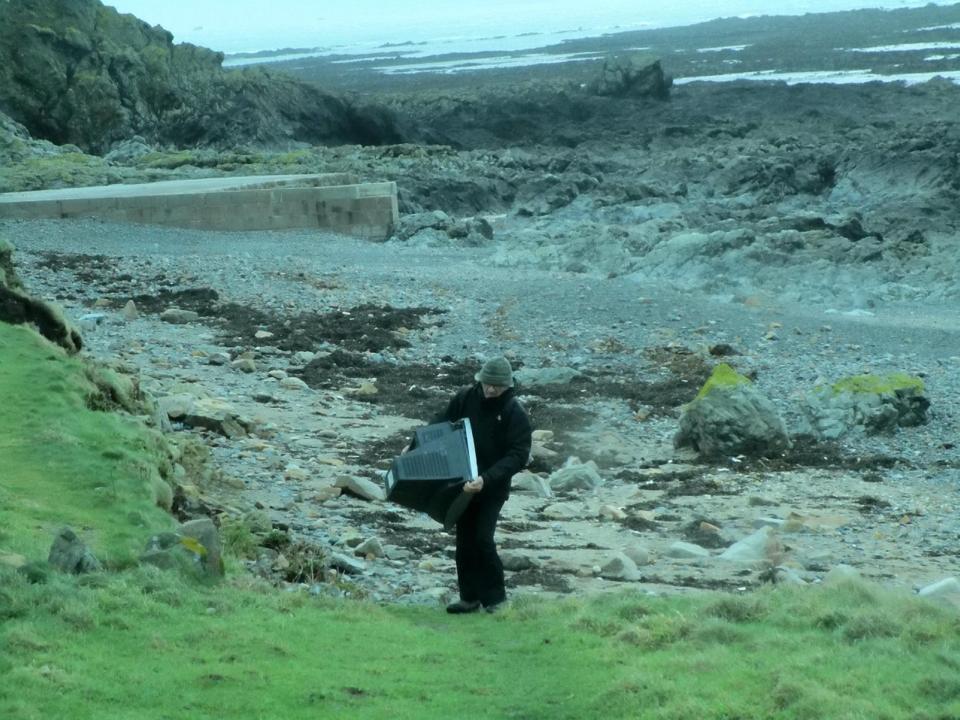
[(620, 245)]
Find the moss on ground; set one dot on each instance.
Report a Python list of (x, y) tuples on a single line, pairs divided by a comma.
[(56, 171)]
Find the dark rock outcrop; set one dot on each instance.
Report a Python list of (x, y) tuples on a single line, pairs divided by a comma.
[(558, 113), (18, 308), (75, 71), (632, 76), (8, 274)]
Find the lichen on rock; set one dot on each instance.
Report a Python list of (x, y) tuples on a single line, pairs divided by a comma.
[(880, 384), (871, 403), (722, 376)]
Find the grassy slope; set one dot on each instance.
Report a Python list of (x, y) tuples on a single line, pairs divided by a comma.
[(147, 644), (63, 464)]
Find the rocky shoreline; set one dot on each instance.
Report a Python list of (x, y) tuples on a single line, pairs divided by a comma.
[(608, 364)]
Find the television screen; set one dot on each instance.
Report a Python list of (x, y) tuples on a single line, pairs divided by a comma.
[(430, 476)]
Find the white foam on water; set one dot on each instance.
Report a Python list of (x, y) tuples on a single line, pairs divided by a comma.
[(951, 26), (450, 67), (722, 48), (836, 77), (908, 47)]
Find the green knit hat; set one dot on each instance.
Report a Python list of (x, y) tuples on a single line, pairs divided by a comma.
[(496, 371)]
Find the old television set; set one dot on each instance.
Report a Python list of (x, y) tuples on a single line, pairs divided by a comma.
[(429, 477)]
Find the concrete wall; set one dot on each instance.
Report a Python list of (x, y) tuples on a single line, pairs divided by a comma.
[(252, 203)]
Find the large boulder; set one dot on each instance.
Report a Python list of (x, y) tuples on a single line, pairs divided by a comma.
[(632, 76), (871, 403), (195, 547), (69, 554), (730, 416)]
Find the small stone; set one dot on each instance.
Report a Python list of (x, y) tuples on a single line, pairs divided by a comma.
[(295, 472), (371, 547), (841, 573), (639, 554), (686, 551), (176, 316), (245, 365), (562, 511), (366, 389), (788, 576), (360, 487), (516, 561), (576, 476), (325, 493), (531, 482), (347, 564), (175, 407), (294, 383), (620, 567), (263, 335), (218, 358), (611, 512), (768, 522), (130, 311), (759, 547), (946, 590), (333, 461)]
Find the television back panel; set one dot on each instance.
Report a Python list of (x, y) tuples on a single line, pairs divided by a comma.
[(430, 477)]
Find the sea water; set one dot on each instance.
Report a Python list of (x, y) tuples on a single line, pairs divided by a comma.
[(420, 28), (410, 30)]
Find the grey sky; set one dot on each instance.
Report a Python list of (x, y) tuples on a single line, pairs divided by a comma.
[(234, 25)]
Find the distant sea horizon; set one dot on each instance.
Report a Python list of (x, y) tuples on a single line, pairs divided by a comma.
[(518, 27)]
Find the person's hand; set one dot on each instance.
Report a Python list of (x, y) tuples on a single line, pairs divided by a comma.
[(474, 486)]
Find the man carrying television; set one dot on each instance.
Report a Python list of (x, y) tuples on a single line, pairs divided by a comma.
[(501, 436)]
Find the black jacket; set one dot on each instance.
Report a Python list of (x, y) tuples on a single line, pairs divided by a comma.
[(501, 434)]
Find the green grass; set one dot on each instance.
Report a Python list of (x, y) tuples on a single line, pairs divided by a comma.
[(147, 644), (64, 464), (138, 642)]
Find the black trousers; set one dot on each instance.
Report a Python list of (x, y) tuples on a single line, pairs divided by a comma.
[(479, 570)]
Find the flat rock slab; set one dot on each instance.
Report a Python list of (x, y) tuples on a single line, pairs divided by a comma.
[(333, 201)]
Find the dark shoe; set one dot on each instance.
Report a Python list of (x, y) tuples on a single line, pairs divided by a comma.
[(461, 607), (495, 607)]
